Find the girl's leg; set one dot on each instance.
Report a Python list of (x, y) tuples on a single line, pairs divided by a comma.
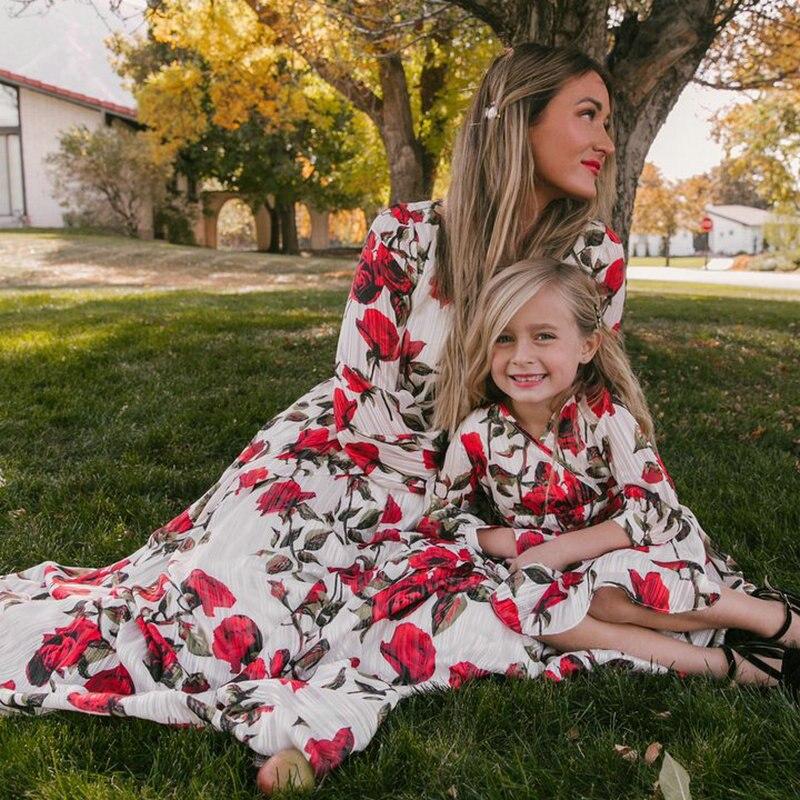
[(732, 610), (646, 644)]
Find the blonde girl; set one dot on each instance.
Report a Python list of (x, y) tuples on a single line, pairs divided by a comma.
[(555, 443)]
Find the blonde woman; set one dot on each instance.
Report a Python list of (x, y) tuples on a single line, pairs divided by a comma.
[(222, 616), (556, 438)]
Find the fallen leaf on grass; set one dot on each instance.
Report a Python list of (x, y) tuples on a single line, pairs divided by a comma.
[(17, 513), (628, 753), (452, 792), (652, 753), (673, 780), (573, 734), (662, 714)]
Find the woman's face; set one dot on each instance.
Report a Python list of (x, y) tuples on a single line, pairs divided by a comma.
[(570, 140)]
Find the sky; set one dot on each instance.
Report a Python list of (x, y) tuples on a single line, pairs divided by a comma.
[(63, 45)]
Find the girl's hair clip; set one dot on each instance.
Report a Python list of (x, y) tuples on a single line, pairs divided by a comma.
[(491, 111)]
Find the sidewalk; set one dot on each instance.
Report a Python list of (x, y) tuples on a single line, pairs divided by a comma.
[(766, 280)]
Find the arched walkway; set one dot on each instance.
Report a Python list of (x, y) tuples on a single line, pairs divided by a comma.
[(206, 227)]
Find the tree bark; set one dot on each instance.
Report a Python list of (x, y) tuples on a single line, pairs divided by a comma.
[(288, 225), (275, 228)]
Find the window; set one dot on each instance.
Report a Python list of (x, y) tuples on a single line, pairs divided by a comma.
[(11, 196)]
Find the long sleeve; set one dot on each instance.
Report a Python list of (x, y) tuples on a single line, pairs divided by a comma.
[(650, 512), (453, 509), (599, 251), (378, 419)]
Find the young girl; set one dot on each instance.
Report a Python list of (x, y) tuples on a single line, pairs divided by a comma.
[(556, 441)]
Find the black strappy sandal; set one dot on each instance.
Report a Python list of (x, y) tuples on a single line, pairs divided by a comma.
[(755, 651), (791, 604)]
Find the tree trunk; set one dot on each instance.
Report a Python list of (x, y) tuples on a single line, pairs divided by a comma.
[(403, 150), (275, 228), (288, 224)]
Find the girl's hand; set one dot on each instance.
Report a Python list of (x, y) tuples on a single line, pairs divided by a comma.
[(552, 554)]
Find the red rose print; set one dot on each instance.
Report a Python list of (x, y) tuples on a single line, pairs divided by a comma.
[(61, 649), (409, 349), (402, 597), (611, 235), (161, 657), (207, 592), (432, 459), (356, 382), (327, 754), (278, 662), (603, 404), (474, 447), (96, 702), (282, 496), (8, 685), (311, 441), (615, 275), (251, 451), (507, 611), (411, 654), (527, 539), (254, 671), (237, 640), (392, 273), (569, 437), (181, 523), (114, 681), (433, 557), (367, 284), (355, 577), (650, 590), (569, 665), (430, 528), (569, 579), (385, 535), (364, 454), (392, 512), (403, 214), (465, 671), (552, 596), (155, 591), (380, 334), (67, 590), (316, 593), (294, 684), (249, 479), (651, 473), (343, 409)]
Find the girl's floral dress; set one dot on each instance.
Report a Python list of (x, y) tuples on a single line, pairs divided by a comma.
[(286, 606), (593, 464)]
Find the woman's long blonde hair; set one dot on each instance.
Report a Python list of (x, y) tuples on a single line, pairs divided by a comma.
[(506, 293), (491, 200)]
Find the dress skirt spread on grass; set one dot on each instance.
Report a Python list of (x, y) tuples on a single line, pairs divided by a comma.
[(293, 604)]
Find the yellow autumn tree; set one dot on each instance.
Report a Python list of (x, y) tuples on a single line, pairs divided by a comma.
[(657, 206)]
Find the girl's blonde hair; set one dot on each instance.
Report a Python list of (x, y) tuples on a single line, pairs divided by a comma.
[(491, 200), (505, 294)]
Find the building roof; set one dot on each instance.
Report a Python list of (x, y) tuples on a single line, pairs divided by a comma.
[(65, 94), (744, 215)]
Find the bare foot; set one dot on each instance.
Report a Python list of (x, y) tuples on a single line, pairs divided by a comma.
[(288, 768)]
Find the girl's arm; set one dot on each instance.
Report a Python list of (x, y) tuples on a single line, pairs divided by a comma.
[(649, 512), (454, 506)]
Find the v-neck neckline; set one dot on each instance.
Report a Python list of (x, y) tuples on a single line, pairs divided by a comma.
[(539, 441)]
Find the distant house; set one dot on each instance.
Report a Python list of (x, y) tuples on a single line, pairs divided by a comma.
[(737, 229), (681, 243), (32, 117)]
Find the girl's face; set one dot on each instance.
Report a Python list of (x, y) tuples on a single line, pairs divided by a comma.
[(536, 356), (570, 141)]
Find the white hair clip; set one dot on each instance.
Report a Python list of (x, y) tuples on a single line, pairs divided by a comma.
[(491, 111)]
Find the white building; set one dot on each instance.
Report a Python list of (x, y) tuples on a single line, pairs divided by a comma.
[(737, 229), (32, 117), (681, 243)]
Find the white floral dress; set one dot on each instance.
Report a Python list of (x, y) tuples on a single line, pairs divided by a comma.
[(277, 607)]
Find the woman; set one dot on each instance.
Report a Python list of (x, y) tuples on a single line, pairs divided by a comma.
[(223, 616)]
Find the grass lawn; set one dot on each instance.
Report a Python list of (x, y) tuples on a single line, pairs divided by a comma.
[(118, 409), (687, 262)]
